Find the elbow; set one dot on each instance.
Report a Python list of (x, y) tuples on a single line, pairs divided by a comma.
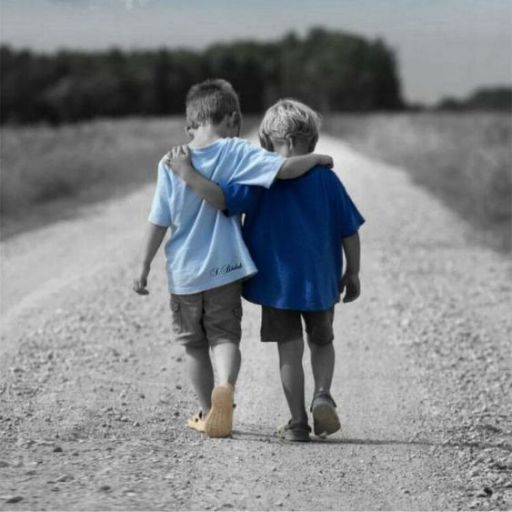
[(284, 172)]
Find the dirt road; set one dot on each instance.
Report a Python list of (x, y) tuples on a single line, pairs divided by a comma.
[(94, 396)]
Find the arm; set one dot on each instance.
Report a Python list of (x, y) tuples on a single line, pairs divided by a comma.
[(350, 280), (296, 166), (180, 162), (154, 237)]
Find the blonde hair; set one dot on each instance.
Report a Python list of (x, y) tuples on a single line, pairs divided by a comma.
[(289, 118)]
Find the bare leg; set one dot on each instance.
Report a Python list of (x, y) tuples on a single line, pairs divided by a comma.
[(322, 364), (292, 377), (227, 362), (201, 375), (219, 423)]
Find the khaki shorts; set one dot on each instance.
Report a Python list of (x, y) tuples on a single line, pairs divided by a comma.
[(208, 318), (283, 325)]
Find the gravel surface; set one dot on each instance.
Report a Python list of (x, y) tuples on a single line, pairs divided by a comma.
[(94, 395)]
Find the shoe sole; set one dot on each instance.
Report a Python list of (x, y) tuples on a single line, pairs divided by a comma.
[(294, 438), (219, 422), (325, 420)]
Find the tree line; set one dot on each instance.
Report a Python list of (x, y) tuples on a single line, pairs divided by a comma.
[(497, 98), (330, 70)]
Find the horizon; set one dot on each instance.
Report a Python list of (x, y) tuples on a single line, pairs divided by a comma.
[(442, 48)]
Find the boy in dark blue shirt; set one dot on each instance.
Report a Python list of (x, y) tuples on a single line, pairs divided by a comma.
[(295, 232)]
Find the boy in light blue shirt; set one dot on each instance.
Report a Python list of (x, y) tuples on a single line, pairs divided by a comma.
[(206, 257)]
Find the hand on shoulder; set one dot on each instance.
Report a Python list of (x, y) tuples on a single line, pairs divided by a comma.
[(179, 159)]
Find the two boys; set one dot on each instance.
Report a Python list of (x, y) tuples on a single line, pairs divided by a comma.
[(295, 231), (206, 257)]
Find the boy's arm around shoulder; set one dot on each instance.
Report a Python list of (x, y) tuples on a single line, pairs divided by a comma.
[(179, 159), (296, 166), (232, 198)]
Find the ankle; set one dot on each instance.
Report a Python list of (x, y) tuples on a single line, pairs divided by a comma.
[(300, 418), (228, 385)]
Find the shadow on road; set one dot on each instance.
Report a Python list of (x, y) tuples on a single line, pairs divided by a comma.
[(248, 435)]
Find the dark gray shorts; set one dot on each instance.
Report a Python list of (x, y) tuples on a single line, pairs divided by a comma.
[(208, 318), (283, 325)]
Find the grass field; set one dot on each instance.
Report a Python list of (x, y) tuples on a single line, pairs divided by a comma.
[(76, 164), (48, 173), (465, 159)]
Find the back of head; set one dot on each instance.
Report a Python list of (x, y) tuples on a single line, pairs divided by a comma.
[(210, 102), (289, 118)]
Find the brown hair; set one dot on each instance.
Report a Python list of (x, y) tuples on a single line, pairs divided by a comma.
[(211, 101)]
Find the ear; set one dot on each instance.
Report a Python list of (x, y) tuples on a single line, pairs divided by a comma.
[(235, 119), (189, 132), (290, 143), (265, 142)]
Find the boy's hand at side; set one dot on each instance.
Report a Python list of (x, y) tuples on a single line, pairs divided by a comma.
[(179, 160), (140, 284), (351, 285)]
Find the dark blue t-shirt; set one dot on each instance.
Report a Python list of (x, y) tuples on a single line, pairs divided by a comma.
[(294, 232)]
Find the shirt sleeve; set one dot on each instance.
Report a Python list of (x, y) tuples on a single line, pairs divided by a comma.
[(160, 213), (349, 218), (254, 165), (240, 198)]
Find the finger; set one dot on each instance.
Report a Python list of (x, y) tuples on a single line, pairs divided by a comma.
[(348, 298), (351, 295), (141, 291)]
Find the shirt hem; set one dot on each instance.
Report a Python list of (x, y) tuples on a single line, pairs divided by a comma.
[(187, 290), (294, 307)]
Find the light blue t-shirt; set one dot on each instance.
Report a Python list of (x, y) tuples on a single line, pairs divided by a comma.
[(206, 248)]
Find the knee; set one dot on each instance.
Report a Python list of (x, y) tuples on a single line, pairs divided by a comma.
[(292, 350), (316, 345)]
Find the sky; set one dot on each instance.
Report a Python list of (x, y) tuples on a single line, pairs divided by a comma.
[(444, 47)]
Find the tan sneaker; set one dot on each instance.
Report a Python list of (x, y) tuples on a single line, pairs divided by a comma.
[(219, 422)]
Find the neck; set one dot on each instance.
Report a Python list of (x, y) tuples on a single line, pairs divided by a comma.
[(205, 135), (300, 148)]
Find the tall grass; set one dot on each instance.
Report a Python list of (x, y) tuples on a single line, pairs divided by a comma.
[(46, 173), (465, 159), (42, 164)]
